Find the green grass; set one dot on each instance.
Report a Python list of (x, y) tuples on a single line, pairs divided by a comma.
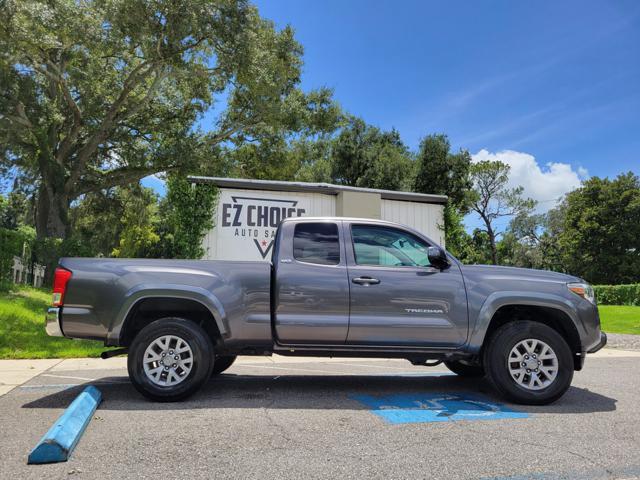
[(620, 319), (22, 332)]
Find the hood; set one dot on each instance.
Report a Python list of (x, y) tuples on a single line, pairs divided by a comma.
[(500, 272)]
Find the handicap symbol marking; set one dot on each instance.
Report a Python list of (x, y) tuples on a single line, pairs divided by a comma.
[(436, 407)]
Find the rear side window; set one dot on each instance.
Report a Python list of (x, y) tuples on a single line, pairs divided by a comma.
[(316, 243)]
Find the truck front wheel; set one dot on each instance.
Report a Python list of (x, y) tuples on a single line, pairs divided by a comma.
[(529, 362), (170, 359)]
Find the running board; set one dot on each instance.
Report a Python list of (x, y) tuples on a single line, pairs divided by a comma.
[(113, 353)]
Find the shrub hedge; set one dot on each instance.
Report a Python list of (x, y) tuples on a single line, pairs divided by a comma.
[(618, 294), (10, 244)]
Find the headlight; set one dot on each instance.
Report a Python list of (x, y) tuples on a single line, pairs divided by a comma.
[(584, 290)]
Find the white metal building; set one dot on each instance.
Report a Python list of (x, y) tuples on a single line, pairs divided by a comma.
[(248, 212)]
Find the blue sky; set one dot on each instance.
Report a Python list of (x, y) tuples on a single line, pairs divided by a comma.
[(553, 88), (559, 80)]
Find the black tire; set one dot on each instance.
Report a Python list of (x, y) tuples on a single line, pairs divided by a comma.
[(221, 363), (202, 354), (497, 353), (464, 369)]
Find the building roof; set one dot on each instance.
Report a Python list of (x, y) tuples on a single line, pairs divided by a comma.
[(326, 188)]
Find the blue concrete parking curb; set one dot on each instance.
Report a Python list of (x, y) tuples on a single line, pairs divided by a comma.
[(58, 443)]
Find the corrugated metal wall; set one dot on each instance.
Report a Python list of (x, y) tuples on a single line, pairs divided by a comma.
[(424, 217)]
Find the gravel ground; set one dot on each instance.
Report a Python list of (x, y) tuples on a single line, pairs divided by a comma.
[(302, 421), (626, 342)]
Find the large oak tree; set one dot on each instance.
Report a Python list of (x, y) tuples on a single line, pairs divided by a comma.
[(100, 93)]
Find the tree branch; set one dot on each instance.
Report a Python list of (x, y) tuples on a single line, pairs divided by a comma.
[(160, 75), (120, 176), (21, 117), (84, 153)]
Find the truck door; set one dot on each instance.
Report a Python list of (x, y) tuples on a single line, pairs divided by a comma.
[(397, 298), (311, 288)]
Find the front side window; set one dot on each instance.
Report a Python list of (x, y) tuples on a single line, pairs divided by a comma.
[(316, 243), (388, 247)]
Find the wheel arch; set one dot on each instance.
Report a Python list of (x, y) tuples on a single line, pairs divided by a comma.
[(145, 304), (553, 312)]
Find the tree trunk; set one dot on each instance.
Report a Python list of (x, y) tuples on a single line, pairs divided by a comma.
[(492, 243), (52, 211)]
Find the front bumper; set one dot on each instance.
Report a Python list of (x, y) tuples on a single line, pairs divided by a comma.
[(580, 357), (52, 322), (600, 344)]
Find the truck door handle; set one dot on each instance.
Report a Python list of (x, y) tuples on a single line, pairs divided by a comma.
[(366, 281)]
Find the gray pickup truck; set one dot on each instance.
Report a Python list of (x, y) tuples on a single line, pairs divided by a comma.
[(334, 287)]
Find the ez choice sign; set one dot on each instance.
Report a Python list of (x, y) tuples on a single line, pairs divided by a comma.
[(247, 221)]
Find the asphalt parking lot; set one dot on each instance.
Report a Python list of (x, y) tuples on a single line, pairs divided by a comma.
[(334, 418)]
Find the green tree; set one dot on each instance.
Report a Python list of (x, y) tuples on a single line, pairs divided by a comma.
[(269, 159), (457, 240), (549, 244), (313, 157), (14, 210), (102, 93), (443, 173), (187, 215), (600, 237), (479, 248), (365, 156), (492, 200), (138, 236), (523, 243), (98, 220)]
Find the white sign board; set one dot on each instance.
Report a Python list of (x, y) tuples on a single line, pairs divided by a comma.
[(247, 221)]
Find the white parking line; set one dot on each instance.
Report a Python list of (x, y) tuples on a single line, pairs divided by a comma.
[(71, 385), (67, 376), (346, 374), (292, 368), (368, 366)]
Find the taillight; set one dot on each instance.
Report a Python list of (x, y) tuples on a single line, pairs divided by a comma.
[(60, 279)]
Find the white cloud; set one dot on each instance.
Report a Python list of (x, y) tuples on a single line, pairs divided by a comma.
[(545, 184)]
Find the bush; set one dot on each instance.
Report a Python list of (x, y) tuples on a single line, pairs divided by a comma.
[(618, 294), (11, 242)]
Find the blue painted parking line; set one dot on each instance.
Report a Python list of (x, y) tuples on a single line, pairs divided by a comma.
[(436, 407)]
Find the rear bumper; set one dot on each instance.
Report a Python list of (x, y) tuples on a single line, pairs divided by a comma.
[(600, 344), (52, 322)]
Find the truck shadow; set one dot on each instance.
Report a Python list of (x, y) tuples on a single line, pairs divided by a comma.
[(304, 392)]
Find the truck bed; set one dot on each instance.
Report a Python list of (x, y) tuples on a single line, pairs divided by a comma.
[(103, 292)]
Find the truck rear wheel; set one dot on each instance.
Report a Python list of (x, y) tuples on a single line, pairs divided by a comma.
[(221, 363), (170, 359), (529, 362)]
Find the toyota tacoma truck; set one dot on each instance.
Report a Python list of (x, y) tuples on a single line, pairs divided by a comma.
[(334, 287)]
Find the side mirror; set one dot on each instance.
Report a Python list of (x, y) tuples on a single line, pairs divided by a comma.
[(438, 258)]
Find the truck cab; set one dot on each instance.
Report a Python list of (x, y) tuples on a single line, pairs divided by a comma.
[(373, 284)]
